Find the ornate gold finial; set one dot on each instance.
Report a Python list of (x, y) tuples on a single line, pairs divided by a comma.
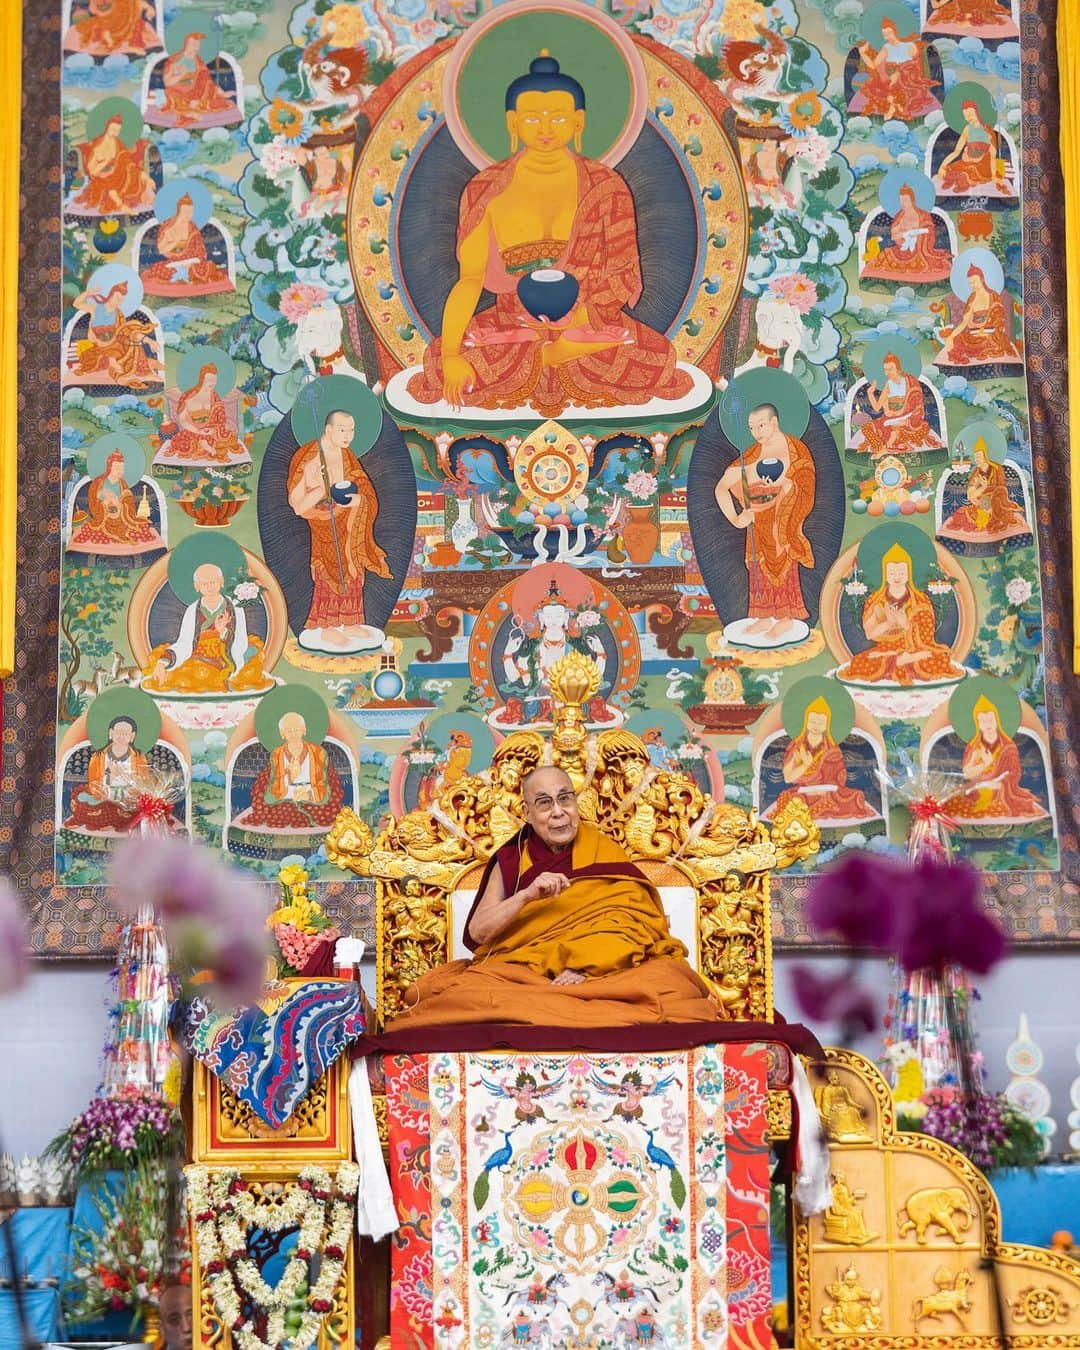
[(574, 680)]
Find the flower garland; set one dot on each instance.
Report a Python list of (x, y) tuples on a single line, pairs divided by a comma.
[(225, 1211)]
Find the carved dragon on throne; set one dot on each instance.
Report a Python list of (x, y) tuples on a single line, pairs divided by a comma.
[(678, 834)]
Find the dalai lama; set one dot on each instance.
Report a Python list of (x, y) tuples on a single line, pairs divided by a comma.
[(567, 932)]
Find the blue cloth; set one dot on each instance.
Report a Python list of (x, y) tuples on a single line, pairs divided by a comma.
[(42, 1307), (42, 1237), (1034, 1205), (272, 1055)]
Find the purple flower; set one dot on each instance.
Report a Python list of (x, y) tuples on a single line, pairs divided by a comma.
[(14, 941), (928, 913), (863, 899), (841, 1000), (949, 924)]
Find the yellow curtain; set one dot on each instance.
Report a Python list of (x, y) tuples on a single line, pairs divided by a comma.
[(1068, 42), (10, 146)]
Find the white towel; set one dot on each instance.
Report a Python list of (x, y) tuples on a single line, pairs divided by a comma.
[(376, 1215), (813, 1187)]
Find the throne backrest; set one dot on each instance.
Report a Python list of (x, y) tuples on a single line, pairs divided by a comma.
[(710, 860)]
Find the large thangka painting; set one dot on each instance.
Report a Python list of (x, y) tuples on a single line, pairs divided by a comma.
[(405, 348)]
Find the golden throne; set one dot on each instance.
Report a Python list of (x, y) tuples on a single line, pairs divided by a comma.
[(710, 860)]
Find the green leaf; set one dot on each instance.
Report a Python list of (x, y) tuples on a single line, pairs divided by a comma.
[(678, 1189), (481, 1190)]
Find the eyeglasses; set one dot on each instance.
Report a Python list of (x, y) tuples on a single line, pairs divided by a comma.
[(545, 805)]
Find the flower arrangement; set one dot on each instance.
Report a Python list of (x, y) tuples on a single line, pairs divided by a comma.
[(225, 1212), (303, 933), (119, 1264), (133, 1128), (642, 485), (210, 497), (987, 1127)]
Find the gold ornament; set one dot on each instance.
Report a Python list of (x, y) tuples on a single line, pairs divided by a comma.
[(934, 1207), (853, 1308), (844, 1222), (841, 1116), (953, 1298)]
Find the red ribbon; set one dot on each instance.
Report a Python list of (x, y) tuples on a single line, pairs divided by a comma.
[(156, 810), (929, 808)]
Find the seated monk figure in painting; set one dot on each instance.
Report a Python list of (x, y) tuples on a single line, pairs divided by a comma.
[(989, 509), (213, 653), (299, 789), (983, 331), (190, 91), (567, 224), (566, 931), (113, 520), (814, 768), (115, 174), (183, 254), (899, 620), (112, 783), (203, 431), (991, 766), (108, 26), (897, 424)]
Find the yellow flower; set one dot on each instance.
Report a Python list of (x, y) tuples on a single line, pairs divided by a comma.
[(86, 611), (284, 119), (1007, 628), (170, 1089), (805, 111), (292, 875)]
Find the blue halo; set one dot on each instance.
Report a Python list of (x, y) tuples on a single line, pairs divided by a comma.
[(167, 197), (895, 179), (105, 278), (982, 258)]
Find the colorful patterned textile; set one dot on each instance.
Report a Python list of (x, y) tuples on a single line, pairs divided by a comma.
[(580, 1199), (272, 1055)]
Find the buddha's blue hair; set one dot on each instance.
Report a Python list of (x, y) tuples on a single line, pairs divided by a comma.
[(544, 77)]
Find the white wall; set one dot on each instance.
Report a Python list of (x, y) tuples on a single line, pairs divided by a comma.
[(51, 1035)]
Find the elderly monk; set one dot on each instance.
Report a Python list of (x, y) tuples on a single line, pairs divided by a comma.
[(566, 931)]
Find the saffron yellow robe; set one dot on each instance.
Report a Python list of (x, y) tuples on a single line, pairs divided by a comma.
[(609, 924)]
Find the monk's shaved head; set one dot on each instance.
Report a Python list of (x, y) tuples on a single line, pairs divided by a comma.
[(551, 806), (546, 777)]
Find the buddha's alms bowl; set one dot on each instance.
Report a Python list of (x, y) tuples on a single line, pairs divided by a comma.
[(770, 469), (343, 493), (548, 294)]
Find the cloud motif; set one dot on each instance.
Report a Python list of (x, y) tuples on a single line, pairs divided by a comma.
[(82, 72), (896, 137), (174, 145), (866, 164)]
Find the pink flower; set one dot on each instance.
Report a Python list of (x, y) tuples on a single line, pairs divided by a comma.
[(14, 941), (214, 915), (299, 299), (641, 485), (796, 290)]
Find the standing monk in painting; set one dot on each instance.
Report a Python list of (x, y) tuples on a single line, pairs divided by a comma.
[(548, 211), (769, 492), (331, 492)]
